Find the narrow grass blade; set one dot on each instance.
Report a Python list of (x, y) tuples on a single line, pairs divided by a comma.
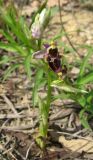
[(86, 79), (85, 62), (27, 66), (10, 70), (84, 119), (13, 48)]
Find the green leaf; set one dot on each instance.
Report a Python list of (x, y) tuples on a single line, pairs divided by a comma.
[(37, 81), (13, 48), (10, 70), (85, 61), (28, 66), (25, 27), (66, 87), (86, 79), (84, 119), (7, 47), (42, 109), (43, 118), (8, 36), (43, 126), (14, 23), (81, 99), (89, 102), (1, 2), (4, 59), (61, 96)]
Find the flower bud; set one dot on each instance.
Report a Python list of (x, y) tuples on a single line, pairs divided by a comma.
[(38, 26), (42, 16)]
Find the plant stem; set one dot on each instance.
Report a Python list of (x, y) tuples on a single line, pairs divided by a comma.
[(44, 112), (48, 102), (49, 93)]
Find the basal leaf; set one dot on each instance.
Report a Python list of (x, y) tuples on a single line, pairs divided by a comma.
[(37, 80), (67, 88)]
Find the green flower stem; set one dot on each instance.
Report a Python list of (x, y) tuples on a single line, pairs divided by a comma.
[(48, 104), (39, 44), (49, 93), (44, 112)]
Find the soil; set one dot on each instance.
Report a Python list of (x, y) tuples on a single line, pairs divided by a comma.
[(67, 138)]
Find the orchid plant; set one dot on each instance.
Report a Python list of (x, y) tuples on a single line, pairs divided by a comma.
[(27, 42)]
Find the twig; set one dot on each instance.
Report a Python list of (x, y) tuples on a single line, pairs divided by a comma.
[(4, 124), (63, 28), (21, 107), (19, 154), (28, 150), (75, 136), (23, 127), (10, 104), (13, 116), (8, 152)]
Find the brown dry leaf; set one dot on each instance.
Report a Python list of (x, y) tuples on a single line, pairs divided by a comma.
[(1, 147), (78, 144), (2, 89)]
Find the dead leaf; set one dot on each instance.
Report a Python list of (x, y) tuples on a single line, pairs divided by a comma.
[(79, 145)]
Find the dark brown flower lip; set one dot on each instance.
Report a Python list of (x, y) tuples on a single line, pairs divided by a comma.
[(51, 55), (53, 52)]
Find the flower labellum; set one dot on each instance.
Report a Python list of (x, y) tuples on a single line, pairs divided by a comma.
[(52, 57), (54, 61)]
